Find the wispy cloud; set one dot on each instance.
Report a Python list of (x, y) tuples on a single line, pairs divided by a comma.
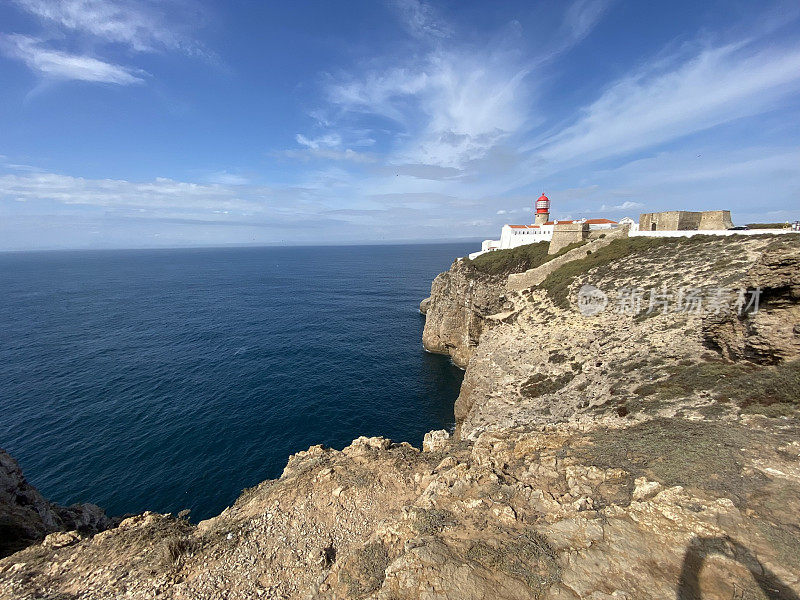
[(142, 25), (62, 65), (421, 19), (330, 140), (627, 205), (468, 101), (674, 98), (580, 18), (451, 104), (119, 193), (138, 26), (227, 178)]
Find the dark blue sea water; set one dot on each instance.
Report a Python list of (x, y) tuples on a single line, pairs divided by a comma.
[(172, 379)]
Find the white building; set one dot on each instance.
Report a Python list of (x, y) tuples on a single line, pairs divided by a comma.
[(632, 225)]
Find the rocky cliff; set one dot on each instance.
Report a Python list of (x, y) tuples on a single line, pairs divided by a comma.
[(455, 312), (626, 454), (26, 517)]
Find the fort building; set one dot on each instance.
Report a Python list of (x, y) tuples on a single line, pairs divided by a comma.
[(684, 220)]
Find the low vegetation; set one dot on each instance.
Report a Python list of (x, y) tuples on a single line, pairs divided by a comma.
[(769, 390), (432, 521), (176, 549), (502, 263), (540, 384), (558, 282), (528, 557), (676, 452), (768, 225)]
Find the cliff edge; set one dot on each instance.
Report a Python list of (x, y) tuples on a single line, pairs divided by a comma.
[(26, 517), (645, 447)]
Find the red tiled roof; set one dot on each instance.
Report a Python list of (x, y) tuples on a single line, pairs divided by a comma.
[(589, 221)]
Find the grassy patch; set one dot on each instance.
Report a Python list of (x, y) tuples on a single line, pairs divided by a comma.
[(776, 386), (769, 390), (676, 452), (557, 283), (541, 384), (516, 260), (176, 549), (768, 225), (528, 557), (684, 380)]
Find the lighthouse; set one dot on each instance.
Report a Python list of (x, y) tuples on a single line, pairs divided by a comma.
[(542, 210)]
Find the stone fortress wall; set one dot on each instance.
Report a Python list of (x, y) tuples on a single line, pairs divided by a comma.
[(684, 220), (565, 234)]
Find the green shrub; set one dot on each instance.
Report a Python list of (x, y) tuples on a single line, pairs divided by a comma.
[(704, 454), (502, 263), (768, 225), (753, 387)]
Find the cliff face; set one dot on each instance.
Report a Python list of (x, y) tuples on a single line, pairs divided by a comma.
[(26, 517), (456, 311), (643, 455), (772, 335)]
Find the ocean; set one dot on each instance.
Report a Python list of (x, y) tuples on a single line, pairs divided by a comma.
[(171, 379)]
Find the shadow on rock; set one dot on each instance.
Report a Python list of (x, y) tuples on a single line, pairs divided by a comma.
[(701, 548)]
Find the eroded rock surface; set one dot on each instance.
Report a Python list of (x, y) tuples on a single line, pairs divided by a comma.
[(772, 334), (456, 311)]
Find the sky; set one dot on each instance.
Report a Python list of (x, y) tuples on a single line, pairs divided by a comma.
[(136, 123)]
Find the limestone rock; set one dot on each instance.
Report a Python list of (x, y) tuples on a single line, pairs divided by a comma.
[(456, 311), (26, 517), (772, 334), (435, 440)]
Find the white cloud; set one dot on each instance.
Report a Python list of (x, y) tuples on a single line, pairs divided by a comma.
[(62, 65), (421, 20), (227, 178), (456, 104), (140, 24), (580, 18), (327, 141), (348, 155), (658, 104), (160, 193), (453, 104), (627, 205)]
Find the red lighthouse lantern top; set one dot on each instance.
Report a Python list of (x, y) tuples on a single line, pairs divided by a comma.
[(543, 204)]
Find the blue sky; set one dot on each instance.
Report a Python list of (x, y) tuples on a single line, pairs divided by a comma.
[(180, 122)]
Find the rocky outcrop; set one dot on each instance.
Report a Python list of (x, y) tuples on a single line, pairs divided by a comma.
[(456, 311), (772, 333), (610, 456), (26, 517)]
